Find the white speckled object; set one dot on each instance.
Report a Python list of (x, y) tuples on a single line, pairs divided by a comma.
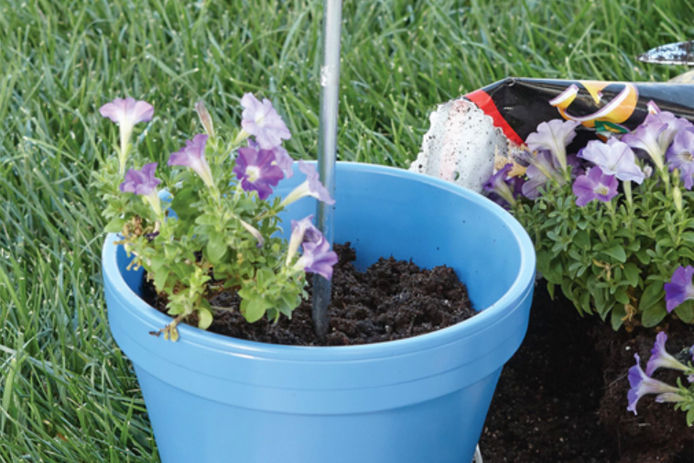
[(460, 145)]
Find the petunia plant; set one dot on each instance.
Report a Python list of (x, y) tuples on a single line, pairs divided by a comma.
[(209, 223), (643, 383), (612, 220)]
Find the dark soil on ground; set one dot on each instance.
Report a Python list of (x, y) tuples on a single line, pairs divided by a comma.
[(391, 300), (562, 397)]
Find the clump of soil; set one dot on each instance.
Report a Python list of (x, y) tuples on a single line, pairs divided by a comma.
[(562, 397), (392, 300)]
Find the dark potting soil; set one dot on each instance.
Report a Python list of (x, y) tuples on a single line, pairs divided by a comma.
[(392, 299), (562, 397)]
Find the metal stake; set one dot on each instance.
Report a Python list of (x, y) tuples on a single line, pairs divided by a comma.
[(327, 147)]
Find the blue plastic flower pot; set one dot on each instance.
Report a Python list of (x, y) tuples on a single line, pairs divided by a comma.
[(214, 399)]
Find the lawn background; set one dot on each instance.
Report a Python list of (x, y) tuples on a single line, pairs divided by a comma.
[(67, 394)]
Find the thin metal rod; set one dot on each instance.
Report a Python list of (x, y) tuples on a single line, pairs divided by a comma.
[(327, 148)]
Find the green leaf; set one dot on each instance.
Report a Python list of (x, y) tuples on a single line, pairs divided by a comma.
[(617, 318), (115, 225), (650, 296), (216, 248), (632, 274), (616, 252), (686, 311), (205, 318), (653, 315), (253, 308)]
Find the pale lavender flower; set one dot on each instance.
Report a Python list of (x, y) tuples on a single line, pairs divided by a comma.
[(312, 186), (680, 287), (317, 257), (594, 185), (193, 156), (642, 384), (553, 136), (655, 134), (614, 158), (680, 156), (126, 112), (143, 182), (262, 121), (541, 168), (661, 358), (257, 171), (499, 185), (302, 230)]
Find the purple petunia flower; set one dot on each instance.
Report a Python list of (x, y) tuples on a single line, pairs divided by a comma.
[(126, 112), (614, 158), (642, 384), (141, 182), (541, 168), (282, 158), (680, 287), (594, 185), (262, 121), (257, 171), (680, 156), (655, 134), (312, 186), (193, 156), (553, 136), (661, 358), (317, 256), (503, 190)]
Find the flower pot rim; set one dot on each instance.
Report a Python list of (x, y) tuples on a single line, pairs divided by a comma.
[(483, 320)]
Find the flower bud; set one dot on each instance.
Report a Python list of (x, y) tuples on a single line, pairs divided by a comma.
[(205, 118), (677, 198)]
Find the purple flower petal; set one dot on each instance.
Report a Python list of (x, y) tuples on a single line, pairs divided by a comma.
[(655, 134), (680, 156), (318, 258), (262, 121), (257, 171), (614, 158), (661, 358), (193, 156), (553, 135), (127, 111), (503, 190), (541, 168), (594, 185), (641, 384), (282, 158), (141, 182), (315, 187), (680, 287)]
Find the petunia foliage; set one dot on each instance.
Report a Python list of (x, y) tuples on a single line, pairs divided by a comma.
[(208, 222), (612, 220)]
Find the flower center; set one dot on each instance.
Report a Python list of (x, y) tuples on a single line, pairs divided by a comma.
[(252, 173), (602, 190)]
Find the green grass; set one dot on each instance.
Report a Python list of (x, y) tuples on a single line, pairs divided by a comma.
[(67, 394)]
